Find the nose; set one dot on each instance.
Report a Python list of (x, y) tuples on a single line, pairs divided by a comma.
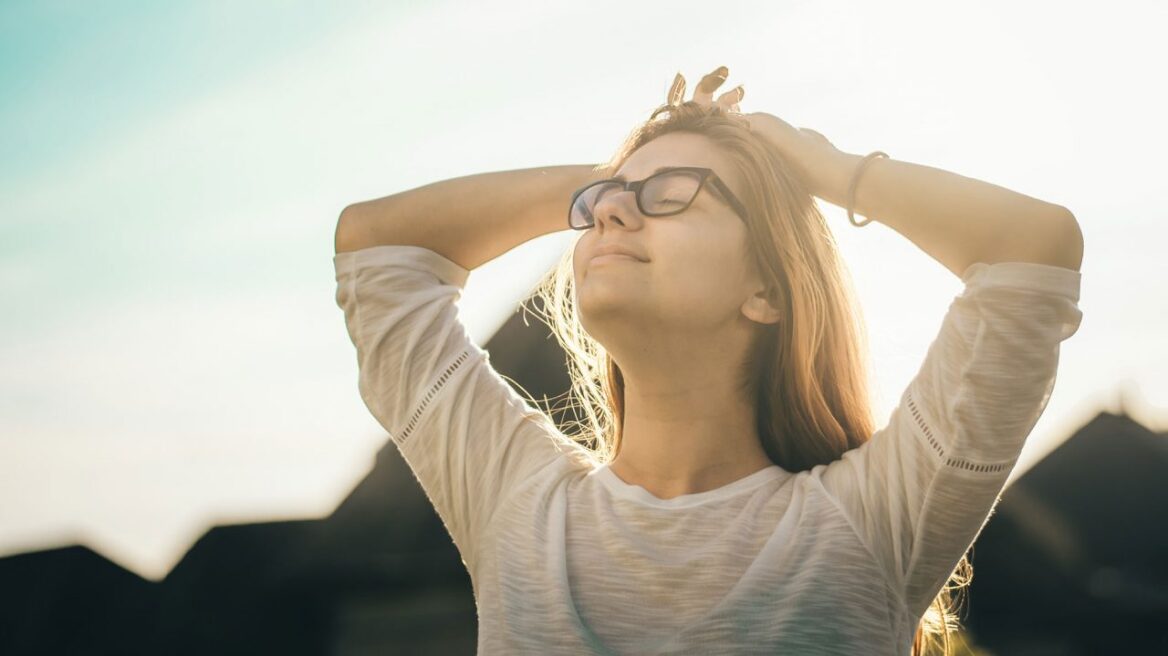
[(618, 208)]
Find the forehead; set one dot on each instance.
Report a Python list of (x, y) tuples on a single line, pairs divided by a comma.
[(675, 149)]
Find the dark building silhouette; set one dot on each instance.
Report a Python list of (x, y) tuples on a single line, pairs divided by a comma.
[(1068, 564), (1073, 560)]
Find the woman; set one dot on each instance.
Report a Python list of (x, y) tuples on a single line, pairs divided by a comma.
[(727, 492)]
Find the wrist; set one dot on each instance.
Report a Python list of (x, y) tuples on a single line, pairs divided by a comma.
[(835, 175)]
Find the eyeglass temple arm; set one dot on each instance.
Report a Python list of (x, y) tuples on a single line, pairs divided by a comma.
[(729, 195)]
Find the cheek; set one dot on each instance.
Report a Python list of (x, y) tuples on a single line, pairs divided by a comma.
[(577, 269), (703, 279)]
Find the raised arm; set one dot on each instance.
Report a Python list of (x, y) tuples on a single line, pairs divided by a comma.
[(959, 220), (470, 219), (401, 264)]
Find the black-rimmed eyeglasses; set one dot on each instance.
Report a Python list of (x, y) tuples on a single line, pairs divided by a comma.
[(664, 193)]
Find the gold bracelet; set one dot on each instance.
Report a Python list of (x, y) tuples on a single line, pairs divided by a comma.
[(855, 181)]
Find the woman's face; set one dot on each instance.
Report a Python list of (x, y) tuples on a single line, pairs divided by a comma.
[(696, 272)]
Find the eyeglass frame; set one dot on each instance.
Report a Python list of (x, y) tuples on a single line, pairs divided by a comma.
[(635, 186)]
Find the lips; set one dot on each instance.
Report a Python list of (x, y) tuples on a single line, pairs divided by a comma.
[(617, 249)]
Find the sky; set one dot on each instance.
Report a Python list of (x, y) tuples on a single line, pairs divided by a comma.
[(171, 354)]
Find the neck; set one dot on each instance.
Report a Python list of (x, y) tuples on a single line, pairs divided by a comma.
[(685, 434)]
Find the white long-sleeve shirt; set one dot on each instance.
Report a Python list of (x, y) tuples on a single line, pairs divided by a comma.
[(567, 558)]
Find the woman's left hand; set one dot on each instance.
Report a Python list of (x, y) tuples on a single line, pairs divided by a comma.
[(817, 162)]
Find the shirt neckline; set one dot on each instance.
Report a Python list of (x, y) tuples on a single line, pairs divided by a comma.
[(620, 488)]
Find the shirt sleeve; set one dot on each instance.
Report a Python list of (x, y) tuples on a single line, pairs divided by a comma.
[(466, 434), (920, 491)]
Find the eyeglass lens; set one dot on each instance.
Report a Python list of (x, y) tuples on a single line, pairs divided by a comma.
[(665, 193)]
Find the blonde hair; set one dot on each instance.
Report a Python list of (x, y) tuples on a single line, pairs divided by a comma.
[(808, 373)]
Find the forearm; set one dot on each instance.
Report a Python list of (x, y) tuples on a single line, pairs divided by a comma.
[(470, 219), (958, 220)]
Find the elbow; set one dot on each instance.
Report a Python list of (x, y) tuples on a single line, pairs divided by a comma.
[(1052, 238), (347, 235), (1068, 247)]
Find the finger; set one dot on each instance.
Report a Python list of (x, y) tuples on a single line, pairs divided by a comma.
[(731, 97), (676, 90), (704, 93)]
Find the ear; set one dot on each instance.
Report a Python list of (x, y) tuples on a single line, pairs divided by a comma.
[(758, 308)]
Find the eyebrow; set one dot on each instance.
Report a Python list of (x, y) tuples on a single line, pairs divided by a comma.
[(655, 172)]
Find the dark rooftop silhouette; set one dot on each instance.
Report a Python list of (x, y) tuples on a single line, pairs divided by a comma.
[(1070, 563)]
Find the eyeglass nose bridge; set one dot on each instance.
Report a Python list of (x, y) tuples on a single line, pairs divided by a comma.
[(634, 186)]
